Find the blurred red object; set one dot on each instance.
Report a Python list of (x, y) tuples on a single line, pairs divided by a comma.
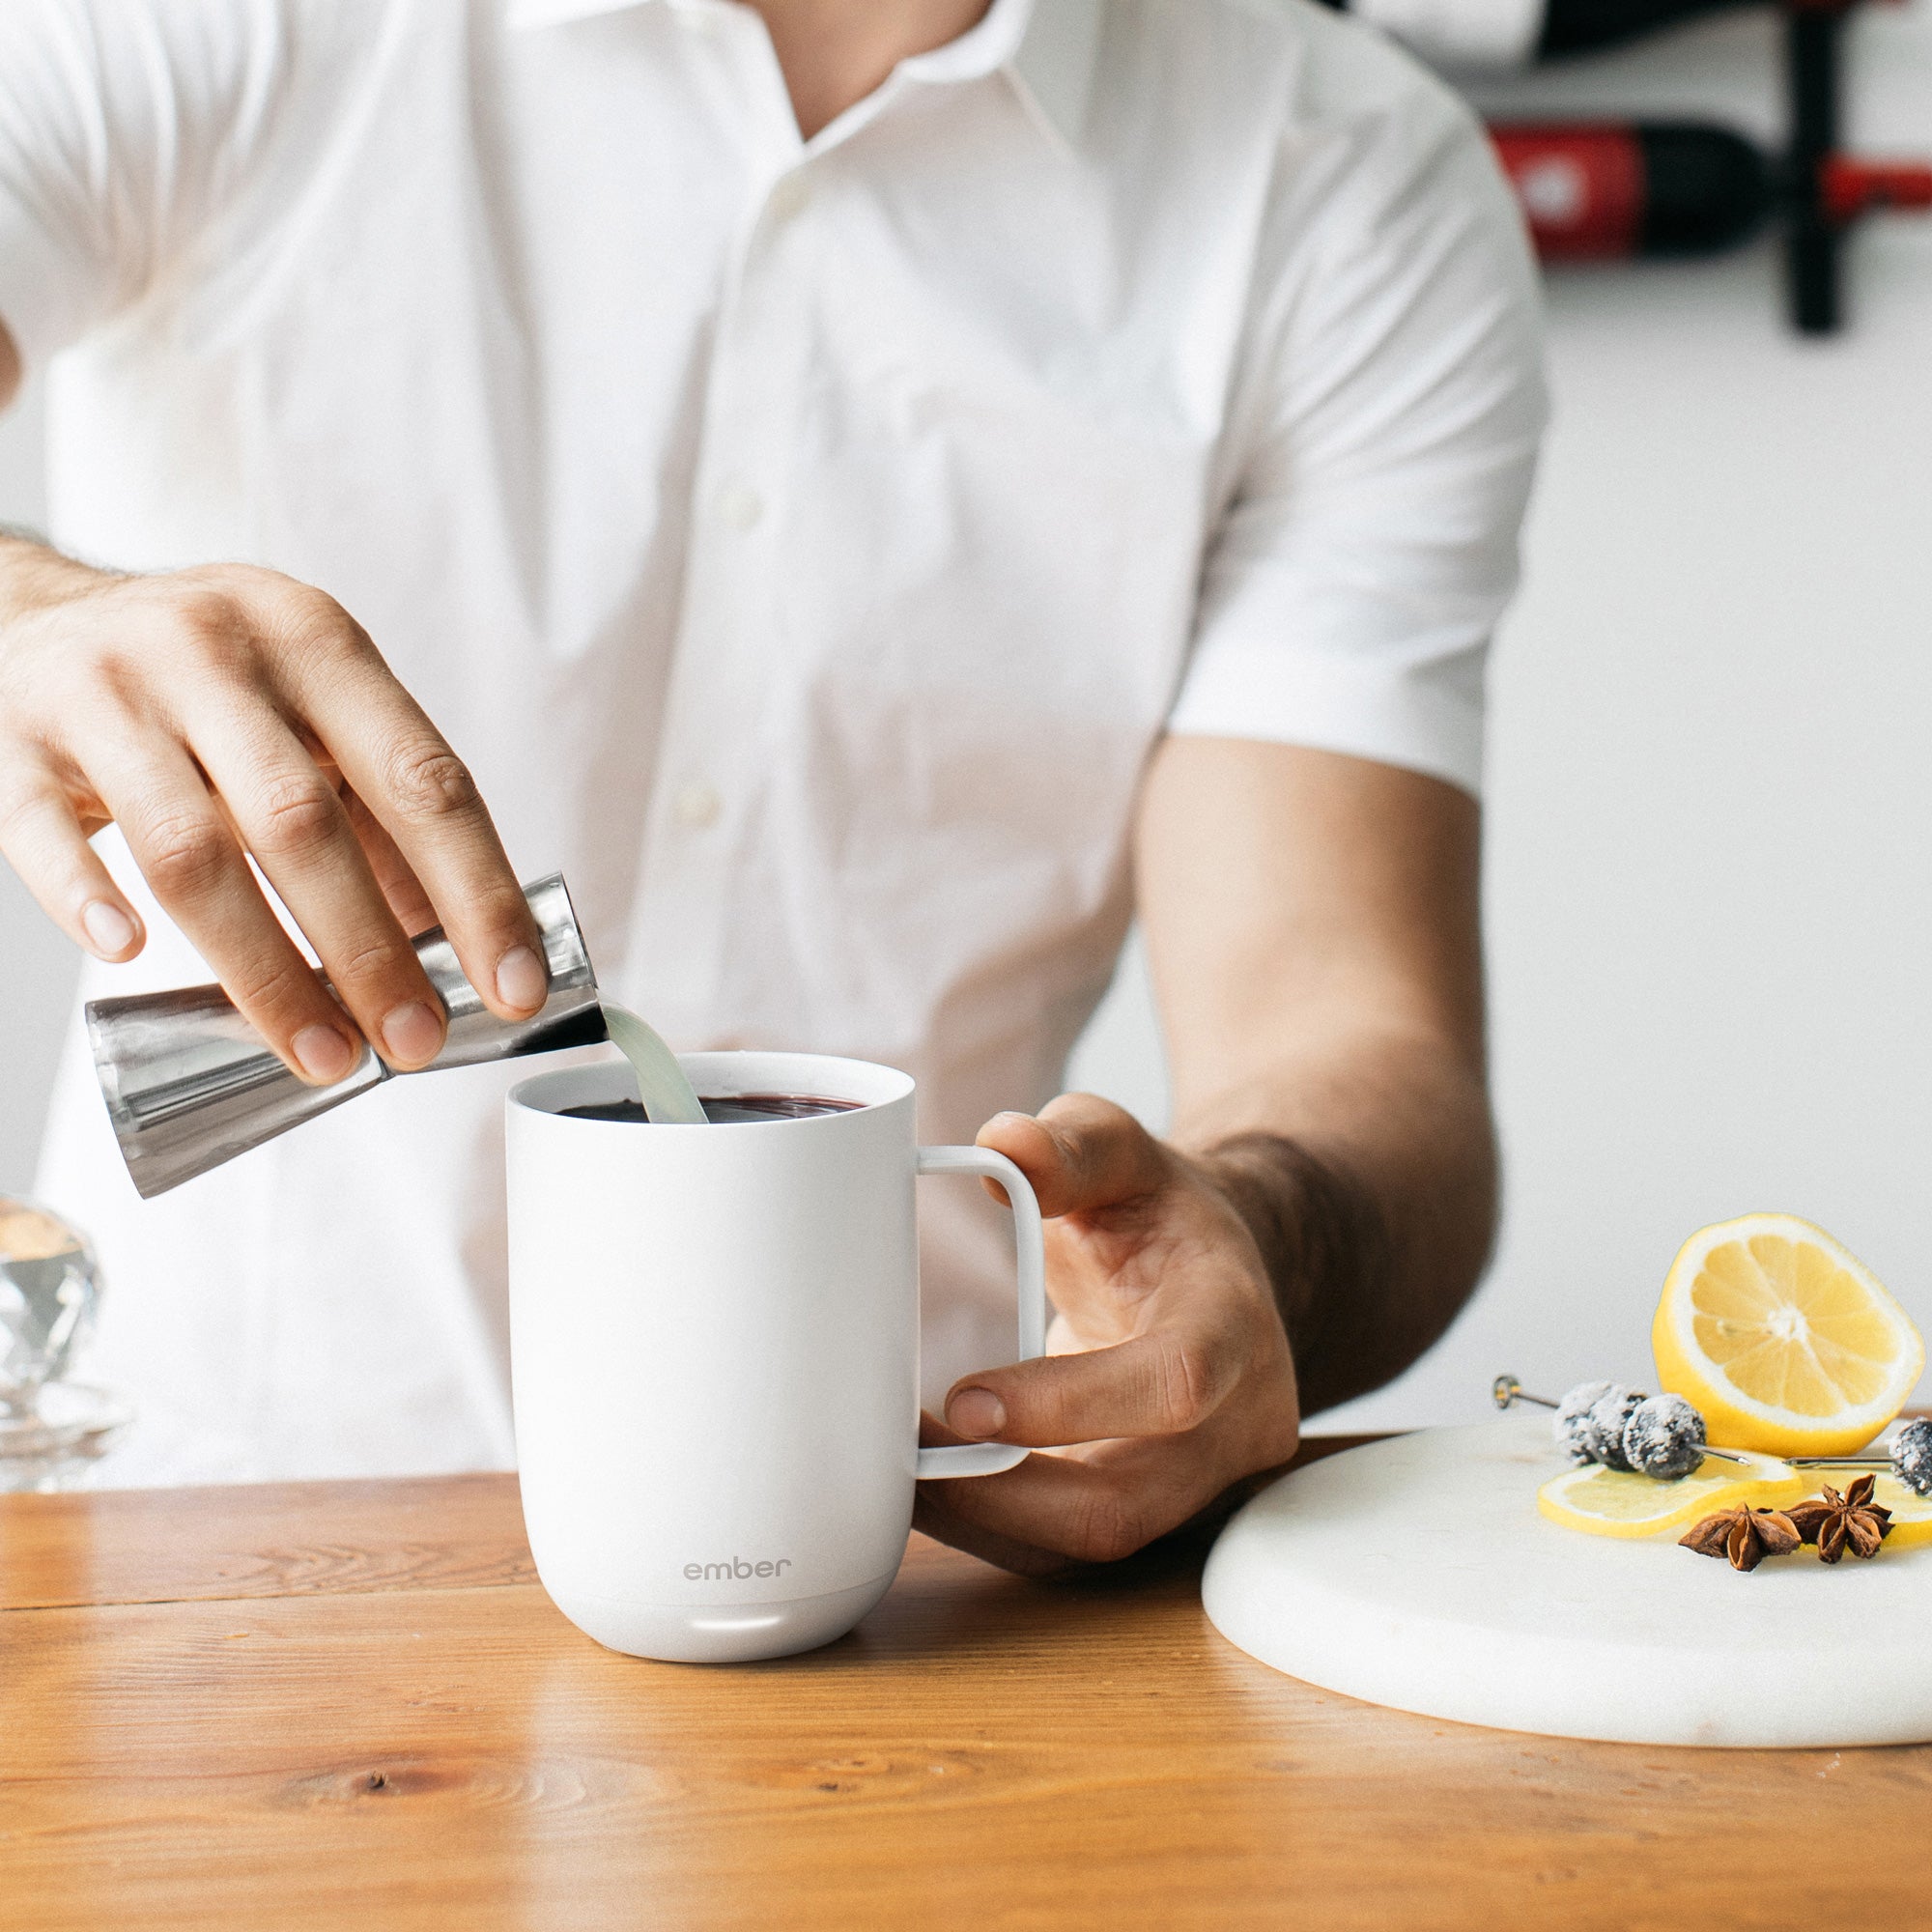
[(1608, 190)]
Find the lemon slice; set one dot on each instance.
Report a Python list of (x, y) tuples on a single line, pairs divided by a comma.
[(1783, 1340), (1610, 1502), (1910, 1513)]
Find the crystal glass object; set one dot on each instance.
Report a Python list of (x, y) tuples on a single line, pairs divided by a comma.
[(51, 1429)]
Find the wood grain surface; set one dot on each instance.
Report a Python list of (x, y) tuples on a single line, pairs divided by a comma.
[(266, 1540), (345, 1705)]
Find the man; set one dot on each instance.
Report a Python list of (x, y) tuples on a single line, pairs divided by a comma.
[(875, 494)]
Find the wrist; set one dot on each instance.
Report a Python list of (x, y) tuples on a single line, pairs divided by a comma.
[(35, 576), (1325, 1242)]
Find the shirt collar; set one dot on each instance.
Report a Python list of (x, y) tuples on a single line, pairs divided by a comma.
[(1047, 46)]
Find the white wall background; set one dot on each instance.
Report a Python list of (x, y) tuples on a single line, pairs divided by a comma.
[(1710, 822)]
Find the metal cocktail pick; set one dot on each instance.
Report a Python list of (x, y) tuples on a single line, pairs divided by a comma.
[(1909, 1460), (1603, 1422), (1506, 1392)]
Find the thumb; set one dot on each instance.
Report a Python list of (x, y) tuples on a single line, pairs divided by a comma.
[(1080, 1152), (1160, 1383)]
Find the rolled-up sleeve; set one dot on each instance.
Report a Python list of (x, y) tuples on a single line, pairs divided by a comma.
[(1383, 438), (122, 127)]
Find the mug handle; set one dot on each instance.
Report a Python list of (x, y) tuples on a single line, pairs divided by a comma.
[(992, 1458)]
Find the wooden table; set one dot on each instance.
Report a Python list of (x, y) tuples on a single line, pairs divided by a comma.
[(324, 1705)]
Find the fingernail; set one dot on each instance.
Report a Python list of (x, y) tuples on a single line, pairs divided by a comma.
[(521, 980), (110, 928), (412, 1034), (323, 1055), (976, 1412)]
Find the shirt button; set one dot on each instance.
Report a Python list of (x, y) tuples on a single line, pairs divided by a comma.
[(788, 197), (742, 505), (697, 805)]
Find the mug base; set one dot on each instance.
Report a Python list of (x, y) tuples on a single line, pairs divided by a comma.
[(721, 1633)]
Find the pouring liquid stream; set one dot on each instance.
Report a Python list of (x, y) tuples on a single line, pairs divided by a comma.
[(668, 1098)]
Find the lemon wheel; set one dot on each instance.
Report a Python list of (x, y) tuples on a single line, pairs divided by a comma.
[(1910, 1513), (1610, 1502), (1785, 1341)]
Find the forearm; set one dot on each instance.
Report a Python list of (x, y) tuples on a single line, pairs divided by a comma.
[(30, 573), (1313, 933), (1367, 1174)]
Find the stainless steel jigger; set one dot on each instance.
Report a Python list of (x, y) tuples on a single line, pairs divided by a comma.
[(190, 1084)]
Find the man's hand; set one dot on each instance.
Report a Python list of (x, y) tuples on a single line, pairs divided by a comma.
[(1169, 1377), (225, 712), (1326, 1195)]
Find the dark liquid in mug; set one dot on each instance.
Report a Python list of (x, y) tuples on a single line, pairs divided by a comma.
[(726, 1110)]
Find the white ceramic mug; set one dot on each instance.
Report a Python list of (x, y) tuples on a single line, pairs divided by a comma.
[(714, 1339)]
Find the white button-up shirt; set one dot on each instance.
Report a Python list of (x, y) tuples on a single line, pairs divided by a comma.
[(805, 542)]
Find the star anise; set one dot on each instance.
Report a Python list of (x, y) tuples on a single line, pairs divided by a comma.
[(1746, 1535), (1833, 1522)]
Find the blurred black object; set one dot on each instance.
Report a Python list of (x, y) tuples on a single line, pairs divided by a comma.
[(1578, 26), (1560, 27), (1814, 236)]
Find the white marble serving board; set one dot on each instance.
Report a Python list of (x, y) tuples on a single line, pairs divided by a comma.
[(1417, 1573)]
